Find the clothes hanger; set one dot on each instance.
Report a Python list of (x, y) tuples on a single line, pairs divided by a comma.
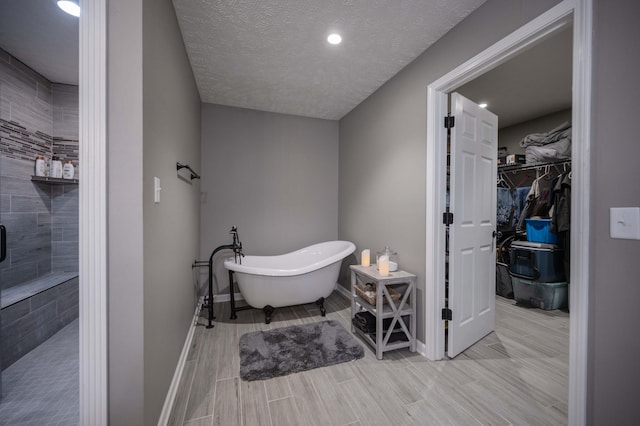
[(506, 182), (547, 172)]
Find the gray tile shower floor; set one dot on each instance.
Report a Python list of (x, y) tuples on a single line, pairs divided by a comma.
[(41, 388)]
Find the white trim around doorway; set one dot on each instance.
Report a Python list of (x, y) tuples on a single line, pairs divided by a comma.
[(93, 214), (580, 12)]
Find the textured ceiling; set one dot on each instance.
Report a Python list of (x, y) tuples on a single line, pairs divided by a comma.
[(272, 55)]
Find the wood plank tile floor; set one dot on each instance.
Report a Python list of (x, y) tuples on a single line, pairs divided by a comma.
[(516, 375)]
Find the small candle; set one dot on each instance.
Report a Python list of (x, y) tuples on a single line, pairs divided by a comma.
[(393, 266), (383, 265), (365, 257)]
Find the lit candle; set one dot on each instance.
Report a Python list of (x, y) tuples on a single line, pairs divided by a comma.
[(366, 257), (383, 265)]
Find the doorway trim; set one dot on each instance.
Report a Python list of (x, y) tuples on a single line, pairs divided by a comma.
[(580, 12), (93, 214)]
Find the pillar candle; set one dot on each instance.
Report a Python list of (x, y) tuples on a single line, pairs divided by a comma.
[(383, 265), (365, 257)]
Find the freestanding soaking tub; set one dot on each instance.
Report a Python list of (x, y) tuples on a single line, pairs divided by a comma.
[(303, 276)]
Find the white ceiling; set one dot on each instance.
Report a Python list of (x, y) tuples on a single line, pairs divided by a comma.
[(535, 83), (42, 36), (272, 55)]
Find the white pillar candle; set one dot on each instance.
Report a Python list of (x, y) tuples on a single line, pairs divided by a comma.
[(383, 265), (393, 266), (365, 258)]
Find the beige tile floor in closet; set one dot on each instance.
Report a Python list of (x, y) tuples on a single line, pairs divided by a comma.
[(516, 375)]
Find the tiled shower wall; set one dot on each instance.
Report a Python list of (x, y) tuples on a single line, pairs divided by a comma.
[(36, 118)]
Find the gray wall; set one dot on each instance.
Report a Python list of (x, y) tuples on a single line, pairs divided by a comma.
[(37, 117), (511, 136), (275, 176), (25, 209), (383, 141), (65, 198), (154, 121), (614, 353), (26, 126), (125, 217), (171, 108)]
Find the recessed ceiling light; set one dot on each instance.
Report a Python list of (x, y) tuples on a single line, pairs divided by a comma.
[(71, 7), (483, 105), (334, 38)]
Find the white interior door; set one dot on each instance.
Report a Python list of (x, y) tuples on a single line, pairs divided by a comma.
[(472, 261)]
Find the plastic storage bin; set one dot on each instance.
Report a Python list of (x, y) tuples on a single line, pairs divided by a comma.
[(539, 231), (536, 262), (545, 296)]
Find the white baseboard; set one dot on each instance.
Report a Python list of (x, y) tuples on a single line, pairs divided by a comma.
[(343, 291), (177, 375), (421, 348), (219, 298)]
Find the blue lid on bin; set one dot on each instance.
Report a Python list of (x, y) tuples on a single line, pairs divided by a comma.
[(539, 231)]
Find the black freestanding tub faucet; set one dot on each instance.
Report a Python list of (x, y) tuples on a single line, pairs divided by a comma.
[(236, 247)]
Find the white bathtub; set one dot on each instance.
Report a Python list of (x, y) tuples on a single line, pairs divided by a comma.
[(302, 276)]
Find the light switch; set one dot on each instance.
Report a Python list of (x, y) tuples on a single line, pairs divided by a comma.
[(625, 223), (156, 190)]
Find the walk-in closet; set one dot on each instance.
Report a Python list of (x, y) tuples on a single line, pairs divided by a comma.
[(531, 97), (533, 218)]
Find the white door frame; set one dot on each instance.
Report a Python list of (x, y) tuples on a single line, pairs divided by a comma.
[(93, 213), (580, 11)]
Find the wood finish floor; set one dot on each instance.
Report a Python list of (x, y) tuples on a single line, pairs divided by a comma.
[(516, 375)]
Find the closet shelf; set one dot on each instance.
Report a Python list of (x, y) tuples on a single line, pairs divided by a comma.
[(522, 167)]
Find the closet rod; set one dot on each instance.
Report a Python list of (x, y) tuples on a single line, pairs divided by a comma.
[(520, 168)]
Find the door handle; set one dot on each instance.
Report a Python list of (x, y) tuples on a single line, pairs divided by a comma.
[(3, 243)]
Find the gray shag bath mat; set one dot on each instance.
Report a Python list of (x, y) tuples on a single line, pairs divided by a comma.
[(282, 351)]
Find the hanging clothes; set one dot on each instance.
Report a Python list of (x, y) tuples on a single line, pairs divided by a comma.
[(561, 220), (527, 211), (538, 201), (520, 200), (505, 208)]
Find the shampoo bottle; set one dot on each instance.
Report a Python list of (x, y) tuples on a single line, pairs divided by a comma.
[(56, 167), (40, 166), (68, 170)]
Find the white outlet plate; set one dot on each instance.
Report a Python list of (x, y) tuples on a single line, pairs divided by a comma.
[(625, 223), (156, 190)]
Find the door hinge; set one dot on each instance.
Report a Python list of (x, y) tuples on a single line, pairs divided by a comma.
[(447, 218), (447, 315), (449, 121)]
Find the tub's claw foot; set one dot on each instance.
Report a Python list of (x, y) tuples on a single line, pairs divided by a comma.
[(268, 311), (320, 303)]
